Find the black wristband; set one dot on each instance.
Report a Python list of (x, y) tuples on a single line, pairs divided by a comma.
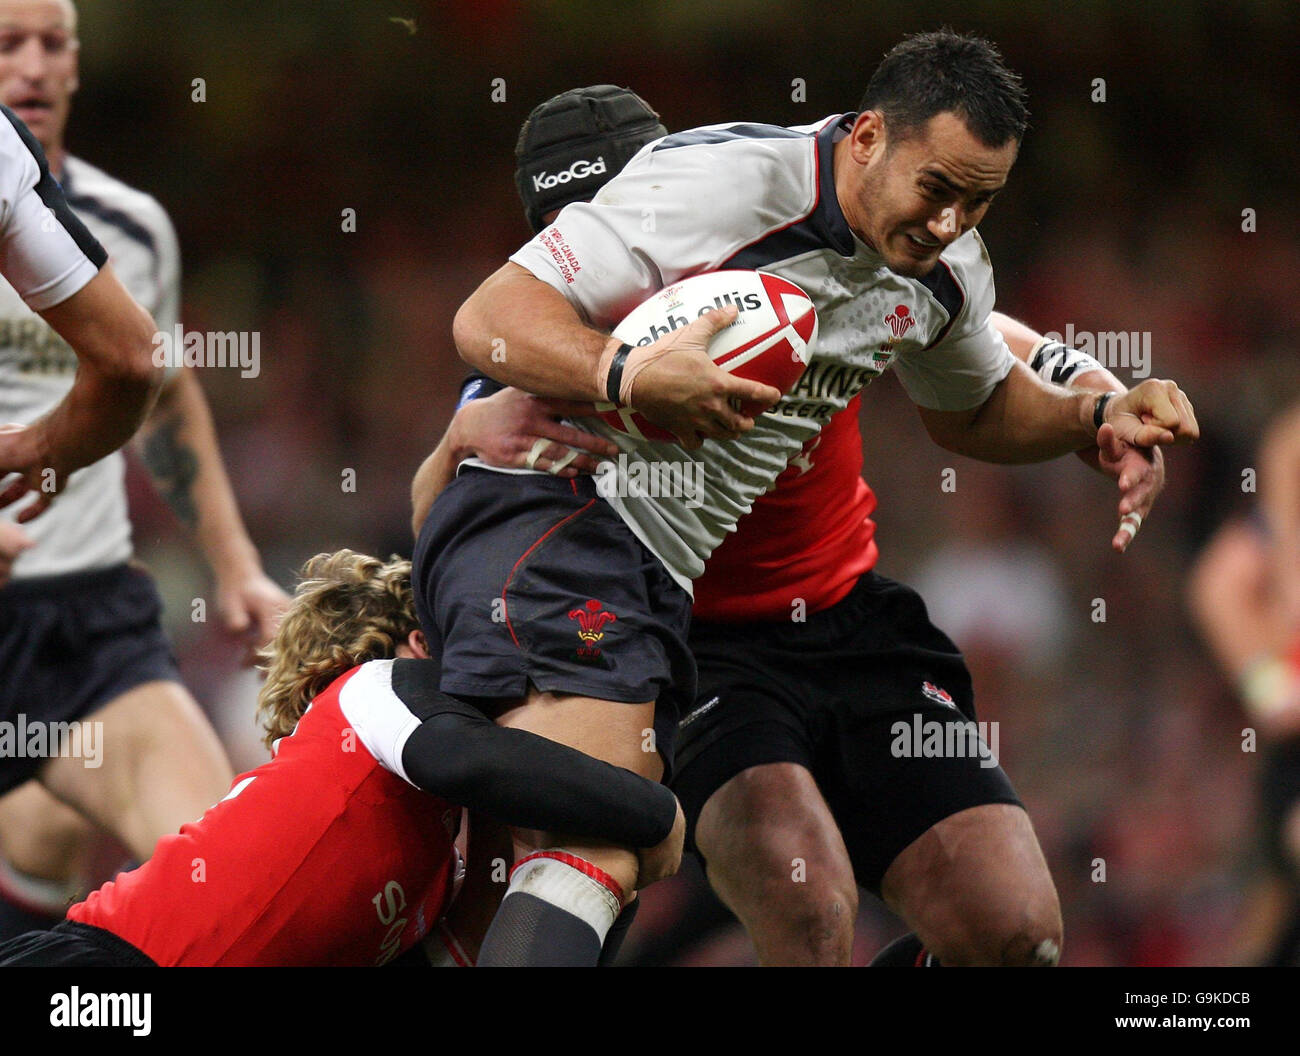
[(615, 379), (1099, 412), (476, 386)]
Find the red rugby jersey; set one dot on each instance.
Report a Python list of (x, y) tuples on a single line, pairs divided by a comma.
[(359, 867), (811, 537)]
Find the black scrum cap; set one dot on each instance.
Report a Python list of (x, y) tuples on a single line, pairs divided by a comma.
[(576, 142)]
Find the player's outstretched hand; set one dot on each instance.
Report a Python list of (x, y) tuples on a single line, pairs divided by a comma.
[(1154, 412), (675, 384), (24, 450), (517, 430), (662, 861), (1140, 472), (251, 606)]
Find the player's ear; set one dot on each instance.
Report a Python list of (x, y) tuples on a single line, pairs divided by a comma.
[(418, 644), (868, 136)]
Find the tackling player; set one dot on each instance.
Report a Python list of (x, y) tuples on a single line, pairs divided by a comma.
[(80, 632), (339, 851)]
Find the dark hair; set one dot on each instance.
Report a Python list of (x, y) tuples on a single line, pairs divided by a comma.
[(933, 73)]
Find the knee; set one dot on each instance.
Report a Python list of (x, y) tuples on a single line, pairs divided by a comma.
[(775, 855), (798, 911), (819, 919), (1023, 934), (1035, 942)]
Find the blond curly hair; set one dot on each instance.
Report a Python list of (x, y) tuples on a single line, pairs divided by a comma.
[(348, 608)]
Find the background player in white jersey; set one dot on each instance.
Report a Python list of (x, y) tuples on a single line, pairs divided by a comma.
[(70, 588), (837, 208), (60, 271)]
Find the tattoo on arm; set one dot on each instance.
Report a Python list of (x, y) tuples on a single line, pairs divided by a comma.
[(174, 468)]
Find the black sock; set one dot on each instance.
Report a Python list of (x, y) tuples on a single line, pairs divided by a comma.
[(905, 952), (530, 933), (617, 933), (556, 913)]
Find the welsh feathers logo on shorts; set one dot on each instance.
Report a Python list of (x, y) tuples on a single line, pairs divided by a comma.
[(591, 618), (939, 696)]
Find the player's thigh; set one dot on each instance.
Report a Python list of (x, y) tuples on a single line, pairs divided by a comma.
[(934, 826), (159, 765), (612, 731), (39, 834), (533, 591), (754, 812), (975, 887)]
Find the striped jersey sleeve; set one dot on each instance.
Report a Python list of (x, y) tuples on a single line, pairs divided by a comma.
[(46, 253)]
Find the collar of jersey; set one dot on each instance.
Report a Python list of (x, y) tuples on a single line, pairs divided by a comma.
[(844, 241)]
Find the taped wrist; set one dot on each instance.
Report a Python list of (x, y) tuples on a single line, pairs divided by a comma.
[(1057, 363), (618, 369)]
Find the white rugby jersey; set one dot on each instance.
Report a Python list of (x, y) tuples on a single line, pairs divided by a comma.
[(763, 197), (87, 526)]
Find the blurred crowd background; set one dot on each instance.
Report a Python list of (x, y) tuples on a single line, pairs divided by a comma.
[(1124, 214)]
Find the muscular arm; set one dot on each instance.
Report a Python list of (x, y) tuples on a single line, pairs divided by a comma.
[(434, 474), (1139, 471), (1022, 421), (1026, 420), (530, 782), (1023, 340), (179, 446), (115, 385), (514, 430), (519, 330)]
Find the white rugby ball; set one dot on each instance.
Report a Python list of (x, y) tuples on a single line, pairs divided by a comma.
[(771, 340)]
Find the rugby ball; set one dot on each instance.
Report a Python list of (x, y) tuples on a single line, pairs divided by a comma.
[(771, 340)]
